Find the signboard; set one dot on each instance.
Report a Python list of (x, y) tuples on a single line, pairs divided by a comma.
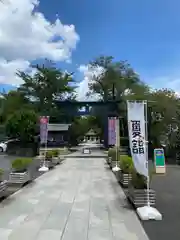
[(111, 131), (86, 150), (85, 110), (159, 160), (44, 129)]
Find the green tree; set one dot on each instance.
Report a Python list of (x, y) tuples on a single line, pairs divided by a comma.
[(78, 129), (165, 112), (81, 126), (12, 101), (22, 124), (46, 86), (115, 78), (118, 74)]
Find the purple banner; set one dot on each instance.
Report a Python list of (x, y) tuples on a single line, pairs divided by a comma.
[(111, 131), (44, 129)]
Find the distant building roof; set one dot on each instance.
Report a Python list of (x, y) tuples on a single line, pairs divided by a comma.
[(91, 132), (58, 127)]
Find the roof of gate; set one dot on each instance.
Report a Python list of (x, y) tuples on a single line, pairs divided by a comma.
[(84, 103)]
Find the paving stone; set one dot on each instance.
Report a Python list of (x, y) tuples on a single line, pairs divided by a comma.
[(33, 201), (77, 228), (58, 216), (28, 230), (17, 221), (100, 234), (4, 233), (49, 234)]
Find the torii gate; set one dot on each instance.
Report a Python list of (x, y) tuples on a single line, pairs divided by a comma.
[(111, 110)]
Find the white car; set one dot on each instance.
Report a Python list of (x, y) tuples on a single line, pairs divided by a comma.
[(3, 146)]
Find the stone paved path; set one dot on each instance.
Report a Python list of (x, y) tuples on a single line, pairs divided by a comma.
[(78, 200)]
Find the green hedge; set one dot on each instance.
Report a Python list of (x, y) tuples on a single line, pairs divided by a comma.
[(1, 173), (21, 164), (126, 163), (55, 152), (112, 152), (139, 181), (49, 155)]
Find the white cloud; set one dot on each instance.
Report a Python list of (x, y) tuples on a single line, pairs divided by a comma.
[(8, 70), (26, 35), (88, 73), (171, 82)]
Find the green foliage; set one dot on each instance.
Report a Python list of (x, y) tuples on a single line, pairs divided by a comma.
[(11, 102), (2, 133), (139, 181), (49, 155), (55, 152), (113, 153), (163, 105), (46, 86), (22, 125), (119, 73), (49, 84), (116, 78), (80, 127), (21, 164), (165, 117), (126, 163), (1, 173)]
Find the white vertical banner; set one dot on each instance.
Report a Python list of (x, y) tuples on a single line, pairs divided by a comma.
[(137, 135)]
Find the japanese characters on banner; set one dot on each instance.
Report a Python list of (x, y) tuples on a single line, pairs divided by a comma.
[(44, 121), (136, 127), (111, 131)]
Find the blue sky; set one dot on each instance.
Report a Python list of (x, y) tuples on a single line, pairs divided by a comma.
[(146, 33)]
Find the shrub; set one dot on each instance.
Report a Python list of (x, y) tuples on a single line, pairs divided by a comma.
[(139, 181), (55, 152), (126, 164), (49, 155), (112, 152), (21, 164), (1, 173)]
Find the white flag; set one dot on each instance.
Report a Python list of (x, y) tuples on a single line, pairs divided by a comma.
[(136, 127)]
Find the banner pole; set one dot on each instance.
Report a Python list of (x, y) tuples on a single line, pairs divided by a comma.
[(44, 168), (117, 145), (46, 143), (117, 139), (147, 156)]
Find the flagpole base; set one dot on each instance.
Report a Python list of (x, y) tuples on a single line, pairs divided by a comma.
[(43, 169), (116, 168), (148, 213)]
